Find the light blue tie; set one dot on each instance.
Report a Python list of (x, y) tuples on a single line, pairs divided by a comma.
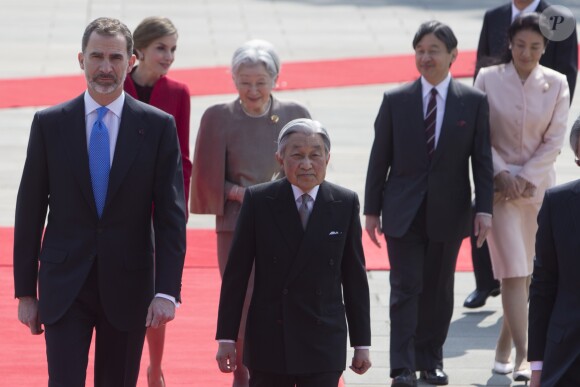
[(99, 159)]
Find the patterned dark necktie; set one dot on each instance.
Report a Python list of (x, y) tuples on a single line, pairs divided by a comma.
[(303, 210), (99, 159), (430, 122)]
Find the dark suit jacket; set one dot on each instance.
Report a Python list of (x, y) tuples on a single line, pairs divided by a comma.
[(493, 42), (305, 281), (400, 176), (554, 317), (146, 171)]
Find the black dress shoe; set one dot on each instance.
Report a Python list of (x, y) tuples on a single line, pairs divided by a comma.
[(478, 297), (406, 378), (436, 376)]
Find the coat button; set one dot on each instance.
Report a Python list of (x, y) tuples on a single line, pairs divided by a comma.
[(275, 259), (285, 291), (331, 262), (318, 292)]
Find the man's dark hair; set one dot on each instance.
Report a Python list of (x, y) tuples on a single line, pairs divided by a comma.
[(107, 26), (441, 31)]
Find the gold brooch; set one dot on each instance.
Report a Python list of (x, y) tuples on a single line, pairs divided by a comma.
[(274, 118)]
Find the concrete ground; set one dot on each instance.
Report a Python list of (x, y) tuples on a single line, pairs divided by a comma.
[(43, 37)]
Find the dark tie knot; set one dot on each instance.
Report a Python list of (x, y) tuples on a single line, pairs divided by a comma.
[(433, 92)]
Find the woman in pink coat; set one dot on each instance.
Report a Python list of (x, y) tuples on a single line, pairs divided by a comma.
[(528, 115)]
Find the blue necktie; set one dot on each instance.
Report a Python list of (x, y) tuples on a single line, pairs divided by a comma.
[(99, 159)]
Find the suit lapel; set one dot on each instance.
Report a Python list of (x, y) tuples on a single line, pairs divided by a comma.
[(416, 115), (574, 205), (415, 120), (453, 111), (132, 132), (318, 221), (73, 133), (286, 215), (542, 5)]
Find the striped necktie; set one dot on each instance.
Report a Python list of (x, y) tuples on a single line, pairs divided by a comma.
[(430, 120), (99, 159)]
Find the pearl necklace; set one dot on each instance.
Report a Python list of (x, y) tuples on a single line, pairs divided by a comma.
[(266, 110)]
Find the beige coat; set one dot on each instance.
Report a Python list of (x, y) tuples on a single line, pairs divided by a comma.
[(233, 148), (527, 129)]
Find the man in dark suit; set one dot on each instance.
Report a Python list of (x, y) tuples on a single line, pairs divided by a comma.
[(426, 133), (561, 56), (303, 236), (98, 164), (554, 332)]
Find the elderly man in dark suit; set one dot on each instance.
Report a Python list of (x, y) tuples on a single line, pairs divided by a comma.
[(426, 134), (99, 164), (554, 329), (561, 56), (303, 236)]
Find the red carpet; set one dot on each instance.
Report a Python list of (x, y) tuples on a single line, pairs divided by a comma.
[(190, 347), (41, 91), (201, 251)]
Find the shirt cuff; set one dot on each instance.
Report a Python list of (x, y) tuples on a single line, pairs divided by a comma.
[(225, 341), (168, 297), (362, 347), (536, 365), (484, 214)]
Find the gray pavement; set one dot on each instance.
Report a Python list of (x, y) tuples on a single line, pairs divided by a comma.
[(43, 37)]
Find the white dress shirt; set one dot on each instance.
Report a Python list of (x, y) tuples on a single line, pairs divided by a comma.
[(530, 8), (442, 89)]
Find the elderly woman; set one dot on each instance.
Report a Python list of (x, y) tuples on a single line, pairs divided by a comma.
[(235, 148), (528, 113), (155, 44)]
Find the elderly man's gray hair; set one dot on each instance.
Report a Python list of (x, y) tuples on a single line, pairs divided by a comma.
[(575, 135), (304, 126)]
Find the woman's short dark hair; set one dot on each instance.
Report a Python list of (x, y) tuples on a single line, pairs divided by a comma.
[(441, 31), (526, 21)]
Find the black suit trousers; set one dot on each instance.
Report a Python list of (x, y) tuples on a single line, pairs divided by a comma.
[(265, 379), (117, 353), (421, 302)]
